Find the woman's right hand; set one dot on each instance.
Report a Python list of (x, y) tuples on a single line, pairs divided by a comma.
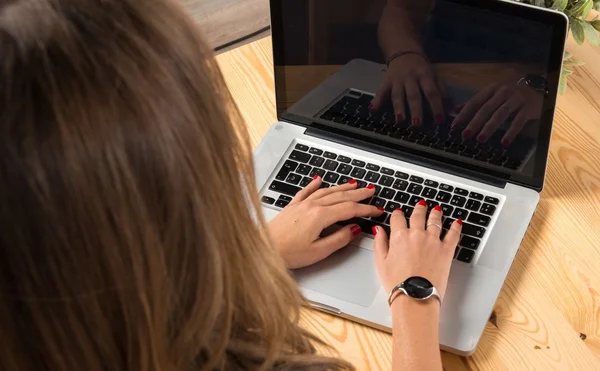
[(416, 251)]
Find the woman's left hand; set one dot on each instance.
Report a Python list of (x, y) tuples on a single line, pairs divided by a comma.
[(296, 230)]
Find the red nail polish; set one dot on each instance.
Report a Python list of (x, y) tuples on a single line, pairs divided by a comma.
[(454, 123), (371, 107), (375, 230), (481, 138), (380, 208), (315, 177), (416, 122), (437, 208), (467, 133), (459, 221), (439, 119), (355, 230), (352, 181), (399, 117), (505, 142), (422, 203), (370, 186)]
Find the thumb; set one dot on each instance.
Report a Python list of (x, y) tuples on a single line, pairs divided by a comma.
[(327, 245), (381, 246)]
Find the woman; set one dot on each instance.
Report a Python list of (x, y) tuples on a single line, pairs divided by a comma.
[(127, 243)]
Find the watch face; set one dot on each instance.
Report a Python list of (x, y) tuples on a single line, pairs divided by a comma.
[(418, 287), (536, 81)]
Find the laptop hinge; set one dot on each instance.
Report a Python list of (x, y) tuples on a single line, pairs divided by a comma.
[(381, 149)]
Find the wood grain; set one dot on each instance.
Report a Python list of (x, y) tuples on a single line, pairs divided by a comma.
[(547, 316)]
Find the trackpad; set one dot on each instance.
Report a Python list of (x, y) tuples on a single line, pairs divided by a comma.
[(349, 274)]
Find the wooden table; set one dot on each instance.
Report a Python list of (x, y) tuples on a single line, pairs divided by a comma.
[(548, 314)]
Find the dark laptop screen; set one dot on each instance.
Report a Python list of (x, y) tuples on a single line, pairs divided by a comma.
[(470, 84)]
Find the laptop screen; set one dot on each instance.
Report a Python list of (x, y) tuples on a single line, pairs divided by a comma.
[(466, 84)]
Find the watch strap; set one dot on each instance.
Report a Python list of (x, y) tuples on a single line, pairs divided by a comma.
[(399, 290)]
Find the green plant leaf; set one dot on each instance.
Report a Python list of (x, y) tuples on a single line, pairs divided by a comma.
[(573, 63), (560, 4), (590, 33), (597, 5), (567, 56), (562, 86), (596, 25), (578, 32), (581, 9), (540, 3)]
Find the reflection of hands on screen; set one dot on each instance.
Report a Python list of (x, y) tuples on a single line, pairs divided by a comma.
[(408, 78), (493, 106)]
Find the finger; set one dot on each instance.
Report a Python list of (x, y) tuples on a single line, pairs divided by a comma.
[(381, 245), (417, 219), (434, 223), (326, 246), (441, 88), (348, 210), (382, 95), (473, 105), (413, 96), (453, 236), (399, 102), (515, 128), (354, 195), (308, 190), (398, 221), (434, 98), (502, 114), (485, 112), (327, 191)]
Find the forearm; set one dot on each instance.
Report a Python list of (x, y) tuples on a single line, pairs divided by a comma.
[(416, 335), (400, 23)]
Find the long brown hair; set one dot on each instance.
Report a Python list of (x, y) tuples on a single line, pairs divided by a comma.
[(132, 237)]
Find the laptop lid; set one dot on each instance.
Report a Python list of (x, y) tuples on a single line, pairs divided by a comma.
[(471, 84)]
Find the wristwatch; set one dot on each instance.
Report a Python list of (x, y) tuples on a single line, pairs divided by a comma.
[(536, 82), (416, 287)]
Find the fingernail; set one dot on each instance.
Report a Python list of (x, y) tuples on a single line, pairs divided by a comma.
[(437, 208), (375, 230), (459, 221), (315, 177), (370, 186), (454, 123), (380, 208), (416, 122), (352, 181), (439, 119), (399, 117), (422, 203), (371, 107), (356, 230), (402, 211), (505, 142), (481, 138), (467, 133)]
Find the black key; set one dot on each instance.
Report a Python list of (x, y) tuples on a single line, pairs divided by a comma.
[(281, 203), (460, 213), (387, 171), (448, 223), (344, 169), (361, 184), (386, 181), (475, 195), (447, 210), (460, 191), (268, 200), (491, 200), (293, 178), (316, 151), (407, 210), (488, 209), (330, 165), (469, 242), (429, 192), (303, 169), (416, 179), (387, 193), (324, 185), (400, 185), (391, 206), (330, 155), (401, 175), (290, 165), (364, 224), (282, 174), (431, 183), (372, 177), (305, 181), (472, 230), (465, 255), (443, 196), (381, 219), (355, 93), (299, 156), (286, 189), (377, 189), (319, 172), (446, 187), (331, 177), (414, 200), (317, 161), (344, 159), (431, 204), (415, 189), (402, 197), (373, 167), (358, 163), (378, 202), (301, 147), (358, 173), (344, 179), (285, 198), (473, 205), (458, 201), (479, 219)]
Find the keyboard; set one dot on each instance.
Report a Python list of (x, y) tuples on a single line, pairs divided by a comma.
[(393, 190), (353, 110)]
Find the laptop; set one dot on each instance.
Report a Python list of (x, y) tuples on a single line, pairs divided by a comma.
[(330, 62)]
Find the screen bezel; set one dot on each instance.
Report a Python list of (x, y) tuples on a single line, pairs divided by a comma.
[(558, 20)]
